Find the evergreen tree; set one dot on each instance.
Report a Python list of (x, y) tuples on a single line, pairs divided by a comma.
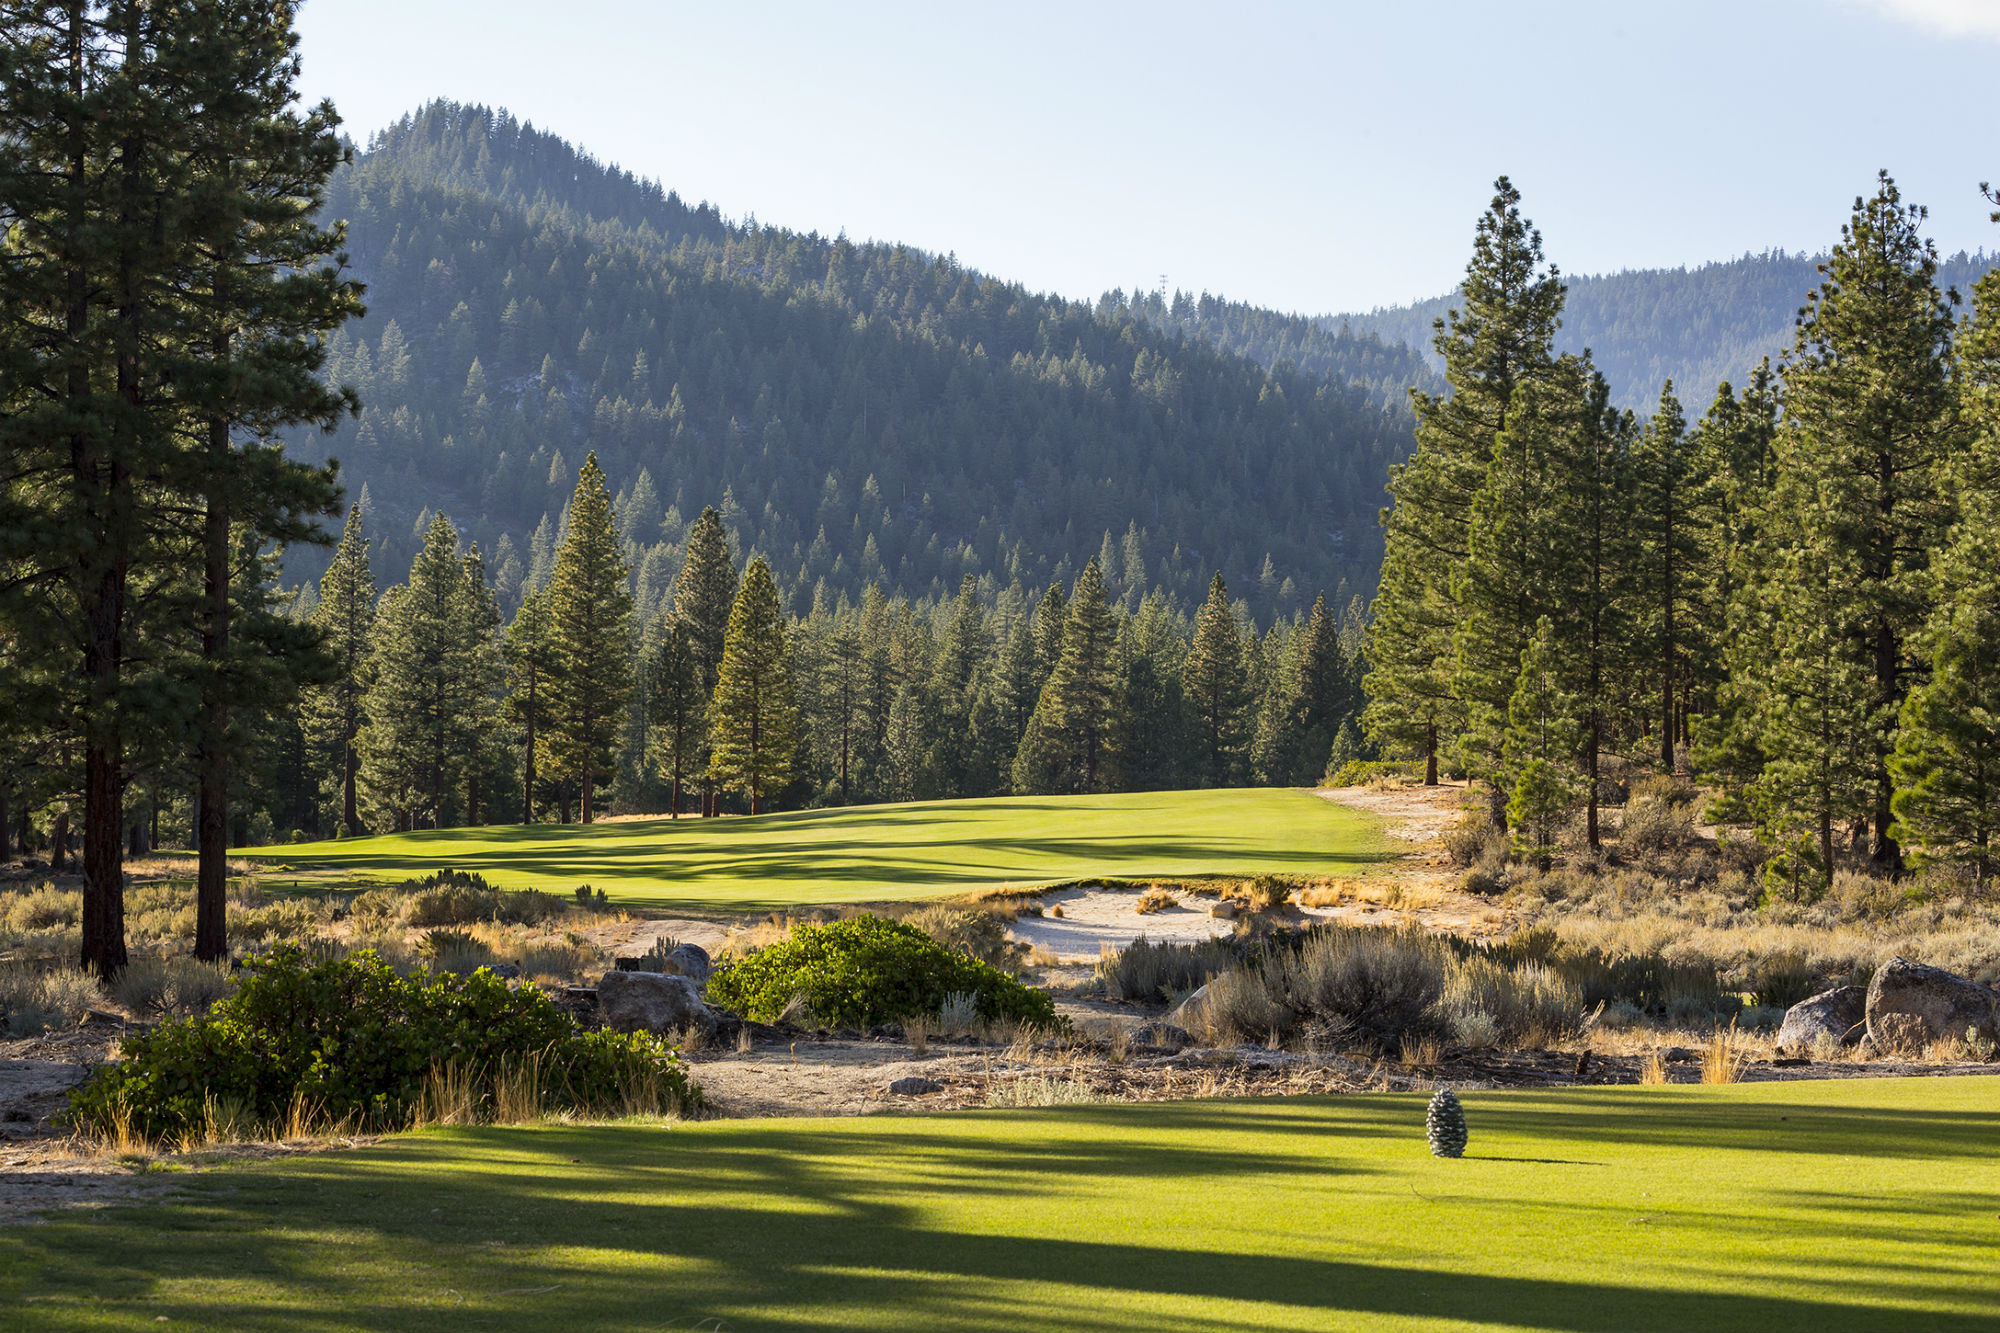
[(529, 654), (1495, 344), (676, 707), (1542, 741), (1863, 493), (755, 711), (1947, 760), (590, 633), (1077, 700), (1321, 699), (1734, 442), (426, 679), (262, 298), (1669, 512), (345, 619), (703, 596), (479, 628), (1050, 614), (1217, 694)]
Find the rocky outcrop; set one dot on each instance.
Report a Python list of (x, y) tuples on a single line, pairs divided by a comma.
[(1911, 1005), (652, 1002), (914, 1085), (1840, 1013)]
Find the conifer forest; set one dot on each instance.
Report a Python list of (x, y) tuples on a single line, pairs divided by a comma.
[(457, 479)]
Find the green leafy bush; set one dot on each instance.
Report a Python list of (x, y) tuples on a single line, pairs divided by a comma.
[(350, 1039), (869, 970)]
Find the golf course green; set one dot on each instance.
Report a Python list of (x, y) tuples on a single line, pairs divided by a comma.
[(1855, 1204), (874, 853)]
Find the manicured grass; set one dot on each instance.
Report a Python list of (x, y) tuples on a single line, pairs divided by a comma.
[(1866, 1204), (881, 852)]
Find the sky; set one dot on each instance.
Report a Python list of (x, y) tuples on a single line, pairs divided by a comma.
[(1322, 158)]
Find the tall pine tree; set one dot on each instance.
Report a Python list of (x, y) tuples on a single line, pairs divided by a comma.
[(755, 712), (590, 637)]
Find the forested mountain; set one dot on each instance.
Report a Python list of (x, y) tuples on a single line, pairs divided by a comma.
[(1698, 326), (861, 412)]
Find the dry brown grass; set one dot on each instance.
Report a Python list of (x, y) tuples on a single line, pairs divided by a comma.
[(1155, 899), (1722, 1058), (1652, 1070)]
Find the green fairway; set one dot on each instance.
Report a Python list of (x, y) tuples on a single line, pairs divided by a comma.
[(884, 851), (1864, 1204)]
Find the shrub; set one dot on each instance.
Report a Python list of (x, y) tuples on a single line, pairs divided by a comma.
[(33, 998), (1268, 892), (44, 907), (981, 934), (1658, 821), (1473, 837), (349, 1040), (1155, 899), (459, 898), (869, 970), (152, 986), (1147, 971)]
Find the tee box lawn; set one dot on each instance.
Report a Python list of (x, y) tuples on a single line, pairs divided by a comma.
[(1853, 1204), (874, 853)]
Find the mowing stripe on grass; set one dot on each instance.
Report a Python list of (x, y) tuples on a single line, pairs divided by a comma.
[(1861, 1204), (864, 853)]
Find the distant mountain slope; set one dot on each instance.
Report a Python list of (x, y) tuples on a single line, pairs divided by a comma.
[(1700, 326), (865, 412)]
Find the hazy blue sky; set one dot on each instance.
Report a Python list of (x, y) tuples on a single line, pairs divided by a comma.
[(1318, 157)]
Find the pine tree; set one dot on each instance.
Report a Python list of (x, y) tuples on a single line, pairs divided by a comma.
[(754, 713), (425, 682), (1217, 694), (1734, 442), (956, 684), (479, 627), (676, 707), (1544, 736), (1863, 494), (590, 633), (345, 619), (1078, 697), (1947, 760), (1050, 614), (529, 654), (1322, 693), (1669, 512), (1500, 340), (703, 596)]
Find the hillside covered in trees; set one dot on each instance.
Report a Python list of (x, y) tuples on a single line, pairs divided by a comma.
[(1696, 326), (860, 413)]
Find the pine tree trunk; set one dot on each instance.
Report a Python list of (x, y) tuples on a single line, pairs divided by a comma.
[(103, 916), (1595, 742), (59, 842), (211, 893), (350, 769), (528, 760), (6, 848), (1431, 755)]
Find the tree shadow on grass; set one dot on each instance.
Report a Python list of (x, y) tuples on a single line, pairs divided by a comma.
[(975, 1223)]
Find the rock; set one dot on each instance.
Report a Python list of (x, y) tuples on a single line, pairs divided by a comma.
[(1841, 1013), (1224, 909), (690, 961), (1911, 1005), (506, 971), (1163, 1034), (1676, 1055), (913, 1086), (1192, 1012), (651, 1002)]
